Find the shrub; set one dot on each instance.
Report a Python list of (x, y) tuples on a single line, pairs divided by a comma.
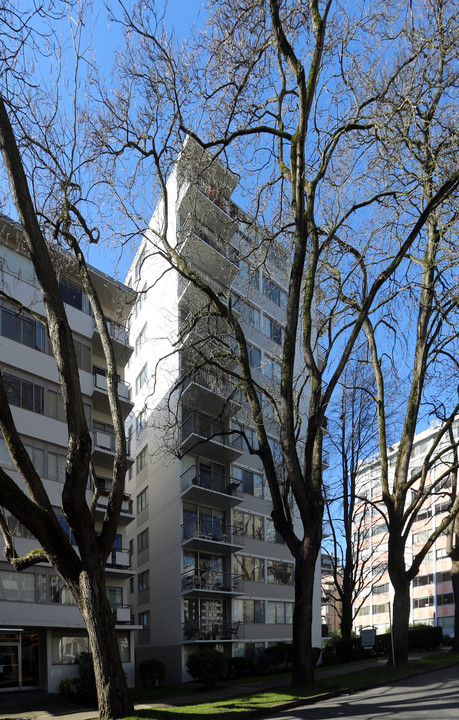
[(67, 687), (277, 657), (151, 672), (84, 686), (241, 667), (208, 666)]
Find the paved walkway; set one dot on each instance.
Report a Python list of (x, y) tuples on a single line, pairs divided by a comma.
[(39, 705)]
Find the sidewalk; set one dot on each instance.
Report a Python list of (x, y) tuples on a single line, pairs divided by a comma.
[(39, 705)]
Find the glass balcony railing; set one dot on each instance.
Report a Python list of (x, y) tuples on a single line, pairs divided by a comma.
[(209, 480)]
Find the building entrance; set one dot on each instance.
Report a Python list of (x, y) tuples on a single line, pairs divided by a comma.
[(18, 660)]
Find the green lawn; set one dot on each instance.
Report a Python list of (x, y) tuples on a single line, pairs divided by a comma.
[(264, 701)]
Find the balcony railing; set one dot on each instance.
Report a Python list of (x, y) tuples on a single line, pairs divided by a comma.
[(122, 614), (217, 384), (100, 382), (205, 630), (203, 528), (207, 235), (211, 580), (209, 480), (119, 559), (104, 491), (206, 427), (104, 439)]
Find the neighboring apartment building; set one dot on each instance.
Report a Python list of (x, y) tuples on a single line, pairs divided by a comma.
[(211, 569), (432, 600), (41, 629), (330, 601)]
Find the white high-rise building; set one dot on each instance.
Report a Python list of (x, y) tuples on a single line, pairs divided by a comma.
[(211, 569), (41, 629)]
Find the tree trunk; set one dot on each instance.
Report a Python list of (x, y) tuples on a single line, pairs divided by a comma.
[(112, 691), (303, 659), (455, 581), (346, 616), (400, 623)]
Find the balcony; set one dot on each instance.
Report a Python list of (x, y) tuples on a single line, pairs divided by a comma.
[(103, 447), (212, 393), (198, 199), (100, 393), (204, 486), (188, 293), (198, 630), (119, 335), (203, 533), (211, 582), (213, 438), (126, 514), (119, 560), (201, 247), (122, 614)]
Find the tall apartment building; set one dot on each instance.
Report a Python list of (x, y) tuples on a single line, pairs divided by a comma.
[(211, 569), (41, 629), (432, 599)]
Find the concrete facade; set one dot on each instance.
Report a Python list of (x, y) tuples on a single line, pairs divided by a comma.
[(211, 569), (41, 630), (432, 600)]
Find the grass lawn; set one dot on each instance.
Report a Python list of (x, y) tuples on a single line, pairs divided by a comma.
[(268, 700)]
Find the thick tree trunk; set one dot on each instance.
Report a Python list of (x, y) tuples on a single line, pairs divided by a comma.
[(346, 616), (455, 581), (400, 623), (112, 692), (303, 659)]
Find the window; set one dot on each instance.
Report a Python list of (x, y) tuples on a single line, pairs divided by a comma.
[(56, 467), (141, 459), (444, 576), (56, 406), (445, 599), (139, 263), (274, 293), (421, 580), (423, 602), (141, 378), (21, 329), (144, 619), (254, 357), (17, 586), (383, 608), (141, 297), (83, 355), (249, 611), (15, 527), (280, 573), (140, 339), (74, 296), (249, 525), (24, 394), (279, 613), (271, 534), (379, 529), (250, 568), (252, 483), (248, 312), (37, 455), (141, 421), (272, 329), (380, 589), (115, 596), (143, 540), (65, 649), (421, 537), (143, 580), (272, 368), (441, 553), (142, 500)]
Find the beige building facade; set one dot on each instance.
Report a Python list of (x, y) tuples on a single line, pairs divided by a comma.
[(41, 629)]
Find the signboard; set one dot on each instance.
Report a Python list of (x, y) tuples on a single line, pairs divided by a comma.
[(368, 638)]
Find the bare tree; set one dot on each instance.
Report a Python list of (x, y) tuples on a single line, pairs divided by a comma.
[(293, 97), (351, 423), (52, 221)]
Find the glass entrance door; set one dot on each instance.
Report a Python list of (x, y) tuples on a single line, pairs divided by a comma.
[(9, 665)]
